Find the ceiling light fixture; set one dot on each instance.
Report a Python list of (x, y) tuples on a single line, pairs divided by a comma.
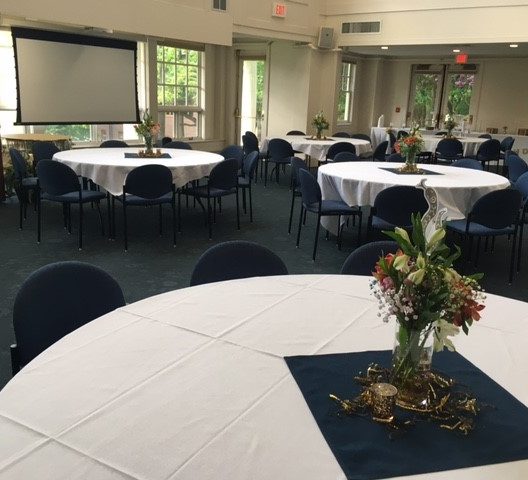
[(513, 45), (384, 48), (456, 50)]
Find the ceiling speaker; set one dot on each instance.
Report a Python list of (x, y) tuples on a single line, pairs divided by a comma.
[(326, 38)]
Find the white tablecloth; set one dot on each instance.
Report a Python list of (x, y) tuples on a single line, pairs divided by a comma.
[(108, 167), (318, 148), (192, 384), (358, 183), (470, 144)]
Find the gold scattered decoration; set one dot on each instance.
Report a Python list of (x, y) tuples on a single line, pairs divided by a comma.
[(410, 168), (150, 154)]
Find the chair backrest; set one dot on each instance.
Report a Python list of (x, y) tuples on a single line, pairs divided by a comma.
[(249, 164), (396, 204), (165, 140), (149, 181), (363, 259), (507, 144), (346, 157), (402, 134), (361, 136), (279, 149), (57, 299), (338, 147), (296, 165), (43, 151), (56, 178), (395, 157), (522, 186), (497, 209), (441, 133), (19, 164), (224, 175), (380, 151), (489, 150), (449, 148), (234, 151), (113, 144), (392, 139), (236, 259), (485, 135), (249, 144), (310, 189), (516, 166), (178, 144), (467, 163), (341, 135), (252, 136), (295, 132)]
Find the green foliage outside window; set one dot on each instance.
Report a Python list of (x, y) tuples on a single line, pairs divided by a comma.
[(78, 133)]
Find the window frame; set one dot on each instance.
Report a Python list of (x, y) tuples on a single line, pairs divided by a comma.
[(349, 91)]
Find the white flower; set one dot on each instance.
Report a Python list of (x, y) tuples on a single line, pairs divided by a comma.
[(443, 330)]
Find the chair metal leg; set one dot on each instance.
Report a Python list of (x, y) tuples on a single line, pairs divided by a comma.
[(125, 226), (339, 232), (519, 253), (478, 251), (512, 257), (160, 216), (20, 211), (68, 211), (39, 219), (266, 174), (109, 215), (492, 244), (316, 236), (214, 210), (300, 225), (277, 171), (250, 204), (238, 210), (244, 206), (209, 218), (173, 205), (360, 221), (486, 244), (80, 224), (113, 219), (291, 211), (98, 207), (179, 212)]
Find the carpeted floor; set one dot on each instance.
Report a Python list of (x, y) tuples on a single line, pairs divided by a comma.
[(153, 266)]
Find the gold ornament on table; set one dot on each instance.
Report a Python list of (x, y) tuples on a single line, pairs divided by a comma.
[(149, 130), (320, 123), (409, 147), (449, 125)]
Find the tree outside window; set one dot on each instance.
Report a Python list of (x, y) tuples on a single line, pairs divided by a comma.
[(346, 92)]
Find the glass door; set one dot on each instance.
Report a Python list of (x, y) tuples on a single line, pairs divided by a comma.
[(459, 92), (426, 97)]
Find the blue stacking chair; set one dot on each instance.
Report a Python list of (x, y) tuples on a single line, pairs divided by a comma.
[(295, 184), (361, 136), (234, 260), (380, 152), (43, 151), (249, 166), (295, 132), (516, 166), (113, 144), (148, 185), (346, 157), (506, 145), (59, 183), (395, 157), (522, 186), (448, 150), (279, 153), (363, 259), (488, 152), (485, 135), (56, 300), (392, 139), (250, 144), (394, 206), (402, 134), (493, 215), (339, 147), (312, 202), (234, 151), (341, 135), (177, 144), (165, 140), (467, 163), (23, 183)]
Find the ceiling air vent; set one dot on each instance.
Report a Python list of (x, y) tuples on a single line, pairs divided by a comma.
[(220, 5), (361, 27)]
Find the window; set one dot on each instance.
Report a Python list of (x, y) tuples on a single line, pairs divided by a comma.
[(346, 92), (220, 5), (180, 92)]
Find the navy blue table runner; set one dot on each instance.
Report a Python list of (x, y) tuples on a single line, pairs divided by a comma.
[(136, 155), (423, 171)]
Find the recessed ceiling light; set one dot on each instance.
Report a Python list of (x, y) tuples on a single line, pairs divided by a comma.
[(384, 48), (456, 50), (513, 45)]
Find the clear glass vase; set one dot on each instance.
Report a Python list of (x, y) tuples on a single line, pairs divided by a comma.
[(149, 144), (319, 133)]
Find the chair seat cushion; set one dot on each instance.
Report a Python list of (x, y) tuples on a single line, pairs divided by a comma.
[(214, 192), (333, 207), (73, 197), (135, 200), (243, 182), (281, 161), (380, 224), (30, 182), (459, 226)]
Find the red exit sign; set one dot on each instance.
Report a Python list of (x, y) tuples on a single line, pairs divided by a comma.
[(279, 10), (461, 58)]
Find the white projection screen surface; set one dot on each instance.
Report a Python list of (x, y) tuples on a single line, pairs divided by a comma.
[(74, 79)]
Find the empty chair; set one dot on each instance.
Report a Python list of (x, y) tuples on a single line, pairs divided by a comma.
[(148, 185), (249, 167), (516, 166), (395, 157), (441, 133), (494, 214), (521, 185), (392, 139), (505, 146), (178, 145), (467, 163), (394, 206), (488, 152), (279, 153), (363, 259), (59, 183), (234, 151), (380, 153), (402, 134), (448, 150), (295, 132), (56, 300), (346, 157), (341, 135), (485, 135), (113, 144), (223, 181), (249, 144), (165, 140), (234, 260), (23, 183), (312, 202), (339, 147), (295, 185), (361, 136), (43, 151)]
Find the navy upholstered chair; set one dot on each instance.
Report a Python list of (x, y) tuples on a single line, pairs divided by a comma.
[(346, 157), (23, 183), (234, 260), (296, 165), (392, 140), (341, 135), (506, 145), (312, 202), (361, 136), (59, 183), (488, 152), (234, 151), (165, 140), (493, 215), (339, 147), (467, 163), (441, 133), (363, 259), (402, 134), (56, 300), (380, 152), (113, 144), (395, 157), (148, 185), (223, 181), (485, 135), (448, 150), (250, 143), (516, 166), (279, 153), (177, 144), (43, 151), (249, 167), (296, 132), (521, 185), (394, 206)]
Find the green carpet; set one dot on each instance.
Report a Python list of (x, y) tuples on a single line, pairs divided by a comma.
[(153, 266)]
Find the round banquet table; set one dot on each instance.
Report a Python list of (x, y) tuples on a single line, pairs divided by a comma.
[(358, 183), (108, 167), (192, 384), (470, 144), (318, 148)]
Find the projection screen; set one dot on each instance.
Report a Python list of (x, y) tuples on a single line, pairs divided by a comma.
[(66, 78)]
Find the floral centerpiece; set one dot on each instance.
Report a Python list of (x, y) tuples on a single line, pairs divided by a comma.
[(430, 301), (149, 130), (449, 125), (409, 147), (320, 123)]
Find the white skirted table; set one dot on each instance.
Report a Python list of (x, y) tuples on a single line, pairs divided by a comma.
[(192, 384), (108, 167), (318, 149)]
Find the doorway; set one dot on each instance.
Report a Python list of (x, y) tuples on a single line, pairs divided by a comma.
[(251, 96)]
